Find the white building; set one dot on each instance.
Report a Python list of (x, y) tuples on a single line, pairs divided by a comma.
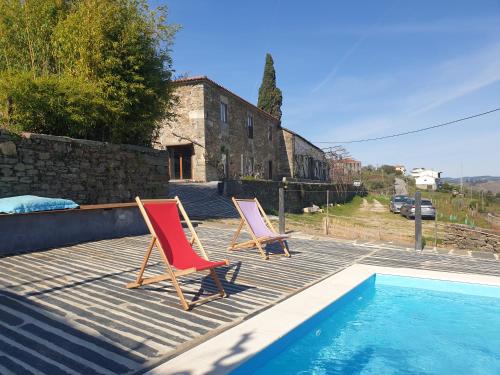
[(426, 179)]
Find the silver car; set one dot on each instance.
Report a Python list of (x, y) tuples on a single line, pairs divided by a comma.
[(427, 209), (396, 202)]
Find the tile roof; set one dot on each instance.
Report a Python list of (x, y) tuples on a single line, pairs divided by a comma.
[(301, 137)]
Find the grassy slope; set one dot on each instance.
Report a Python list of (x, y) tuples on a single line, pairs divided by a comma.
[(461, 209)]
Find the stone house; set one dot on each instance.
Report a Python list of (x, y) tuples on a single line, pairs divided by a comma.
[(300, 159), (401, 169), (218, 134), (345, 169)]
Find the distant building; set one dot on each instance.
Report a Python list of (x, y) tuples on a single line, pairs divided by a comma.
[(426, 179), (345, 167), (400, 168), (300, 159)]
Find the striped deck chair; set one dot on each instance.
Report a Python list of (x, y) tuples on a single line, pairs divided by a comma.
[(162, 218), (262, 232)]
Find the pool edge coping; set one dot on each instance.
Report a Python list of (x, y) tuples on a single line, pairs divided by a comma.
[(221, 354)]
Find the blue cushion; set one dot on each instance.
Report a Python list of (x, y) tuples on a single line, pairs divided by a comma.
[(31, 203)]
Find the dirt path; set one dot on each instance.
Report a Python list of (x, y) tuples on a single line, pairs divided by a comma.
[(400, 187), (365, 205), (375, 206), (378, 207)]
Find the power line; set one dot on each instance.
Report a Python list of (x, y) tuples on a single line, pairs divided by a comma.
[(414, 131)]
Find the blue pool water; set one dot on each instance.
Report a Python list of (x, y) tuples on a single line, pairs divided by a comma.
[(394, 325)]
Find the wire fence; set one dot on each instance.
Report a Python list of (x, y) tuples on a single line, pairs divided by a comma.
[(372, 220)]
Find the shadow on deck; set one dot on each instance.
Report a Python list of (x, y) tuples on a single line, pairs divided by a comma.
[(67, 310)]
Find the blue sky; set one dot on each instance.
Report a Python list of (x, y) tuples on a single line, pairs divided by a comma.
[(359, 69)]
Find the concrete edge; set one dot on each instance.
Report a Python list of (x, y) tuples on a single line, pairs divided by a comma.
[(223, 353)]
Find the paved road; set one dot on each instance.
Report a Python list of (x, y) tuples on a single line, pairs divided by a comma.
[(400, 187)]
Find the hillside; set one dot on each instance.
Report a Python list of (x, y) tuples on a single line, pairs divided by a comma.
[(491, 183)]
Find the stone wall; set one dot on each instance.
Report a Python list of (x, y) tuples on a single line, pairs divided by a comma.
[(221, 149), (87, 172), (286, 152), (301, 160), (245, 156), (463, 237), (297, 194), (309, 162), (188, 127)]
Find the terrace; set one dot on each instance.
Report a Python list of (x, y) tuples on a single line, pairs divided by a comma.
[(67, 310)]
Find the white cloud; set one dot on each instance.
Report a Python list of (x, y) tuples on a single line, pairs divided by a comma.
[(379, 105), (333, 72), (457, 78)]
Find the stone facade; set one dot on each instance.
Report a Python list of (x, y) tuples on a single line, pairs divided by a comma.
[(187, 129), (300, 159), (87, 172), (345, 169), (463, 237), (211, 134)]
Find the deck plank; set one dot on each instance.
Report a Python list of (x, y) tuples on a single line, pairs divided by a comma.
[(68, 308)]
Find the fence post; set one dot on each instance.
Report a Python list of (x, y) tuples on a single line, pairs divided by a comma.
[(327, 206), (281, 207), (435, 229), (418, 221)]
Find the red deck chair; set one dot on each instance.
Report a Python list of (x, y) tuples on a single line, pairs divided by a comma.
[(162, 218)]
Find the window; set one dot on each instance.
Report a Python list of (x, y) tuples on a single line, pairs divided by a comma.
[(270, 133), (270, 169), (250, 126), (223, 112)]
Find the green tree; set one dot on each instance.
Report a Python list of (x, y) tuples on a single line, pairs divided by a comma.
[(95, 69), (388, 169), (270, 96)]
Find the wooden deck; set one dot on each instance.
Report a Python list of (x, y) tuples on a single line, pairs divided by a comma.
[(67, 311)]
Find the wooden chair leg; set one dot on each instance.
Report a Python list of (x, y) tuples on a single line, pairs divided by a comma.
[(235, 237), (262, 252), (217, 282), (175, 283), (184, 303), (285, 249), (145, 261)]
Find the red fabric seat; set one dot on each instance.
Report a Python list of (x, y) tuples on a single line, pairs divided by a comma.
[(167, 224)]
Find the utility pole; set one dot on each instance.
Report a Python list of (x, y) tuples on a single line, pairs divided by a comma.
[(281, 209), (418, 220), (327, 211), (461, 177)]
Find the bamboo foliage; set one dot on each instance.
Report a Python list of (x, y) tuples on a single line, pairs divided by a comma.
[(96, 69)]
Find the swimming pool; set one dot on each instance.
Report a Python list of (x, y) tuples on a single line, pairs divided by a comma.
[(393, 325)]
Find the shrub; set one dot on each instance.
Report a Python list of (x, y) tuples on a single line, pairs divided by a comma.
[(52, 105), (96, 69)]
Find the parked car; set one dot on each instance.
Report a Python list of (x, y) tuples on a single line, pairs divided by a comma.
[(427, 209), (396, 202)]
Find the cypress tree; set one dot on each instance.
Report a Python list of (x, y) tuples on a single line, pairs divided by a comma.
[(270, 97)]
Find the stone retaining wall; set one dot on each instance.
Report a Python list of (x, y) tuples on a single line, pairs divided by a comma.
[(463, 237), (297, 194), (87, 172)]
